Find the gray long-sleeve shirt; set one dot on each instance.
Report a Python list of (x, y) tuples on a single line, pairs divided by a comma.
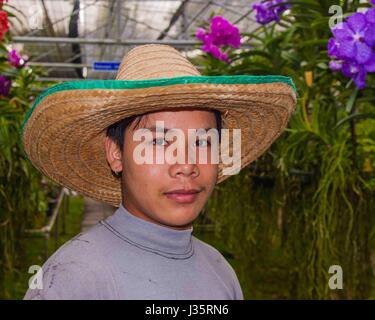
[(126, 257)]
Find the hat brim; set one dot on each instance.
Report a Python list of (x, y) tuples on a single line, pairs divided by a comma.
[(63, 133)]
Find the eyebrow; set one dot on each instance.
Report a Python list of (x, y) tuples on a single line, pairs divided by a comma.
[(153, 128)]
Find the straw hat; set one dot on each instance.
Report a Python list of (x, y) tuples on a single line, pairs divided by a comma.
[(63, 133)]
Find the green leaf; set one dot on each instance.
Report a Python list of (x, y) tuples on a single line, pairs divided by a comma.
[(350, 102), (354, 116)]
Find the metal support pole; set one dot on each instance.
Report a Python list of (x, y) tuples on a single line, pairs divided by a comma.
[(46, 241), (118, 17), (21, 39), (64, 212), (57, 230)]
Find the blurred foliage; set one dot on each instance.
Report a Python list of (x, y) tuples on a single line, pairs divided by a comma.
[(16, 283), (308, 202), (23, 193)]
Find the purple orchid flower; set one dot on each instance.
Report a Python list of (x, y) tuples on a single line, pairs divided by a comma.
[(352, 42), (215, 51), (352, 47), (5, 85), (15, 59), (265, 14), (222, 33)]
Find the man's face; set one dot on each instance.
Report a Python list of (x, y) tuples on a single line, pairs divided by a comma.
[(148, 188)]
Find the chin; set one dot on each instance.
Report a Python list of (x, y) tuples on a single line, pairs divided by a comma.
[(181, 218)]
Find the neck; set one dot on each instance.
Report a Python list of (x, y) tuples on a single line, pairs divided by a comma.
[(148, 218), (150, 236)]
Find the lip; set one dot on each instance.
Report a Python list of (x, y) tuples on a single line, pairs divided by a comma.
[(183, 196)]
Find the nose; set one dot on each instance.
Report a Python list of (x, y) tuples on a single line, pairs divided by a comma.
[(185, 169), (190, 170)]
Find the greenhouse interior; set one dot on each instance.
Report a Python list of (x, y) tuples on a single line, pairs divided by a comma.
[(286, 213)]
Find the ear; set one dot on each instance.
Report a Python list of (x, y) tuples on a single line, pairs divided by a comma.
[(113, 154)]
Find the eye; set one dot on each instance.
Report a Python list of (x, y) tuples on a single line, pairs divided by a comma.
[(159, 141), (202, 143)]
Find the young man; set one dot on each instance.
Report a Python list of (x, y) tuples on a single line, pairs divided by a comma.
[(92, 136)]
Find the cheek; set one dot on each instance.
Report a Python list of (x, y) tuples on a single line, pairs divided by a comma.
[(147, 173), (208, 173), (145, 176)]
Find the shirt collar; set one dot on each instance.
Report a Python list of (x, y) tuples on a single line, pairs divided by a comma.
[(149, 236)]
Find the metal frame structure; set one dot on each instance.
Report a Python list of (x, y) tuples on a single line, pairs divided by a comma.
[(117, 22)]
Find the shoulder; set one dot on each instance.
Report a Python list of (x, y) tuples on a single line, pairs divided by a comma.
[(86, 248), (220, 265), (212, 254), (77, 270)]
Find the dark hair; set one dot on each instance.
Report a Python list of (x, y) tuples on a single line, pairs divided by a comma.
[(116, 131)]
